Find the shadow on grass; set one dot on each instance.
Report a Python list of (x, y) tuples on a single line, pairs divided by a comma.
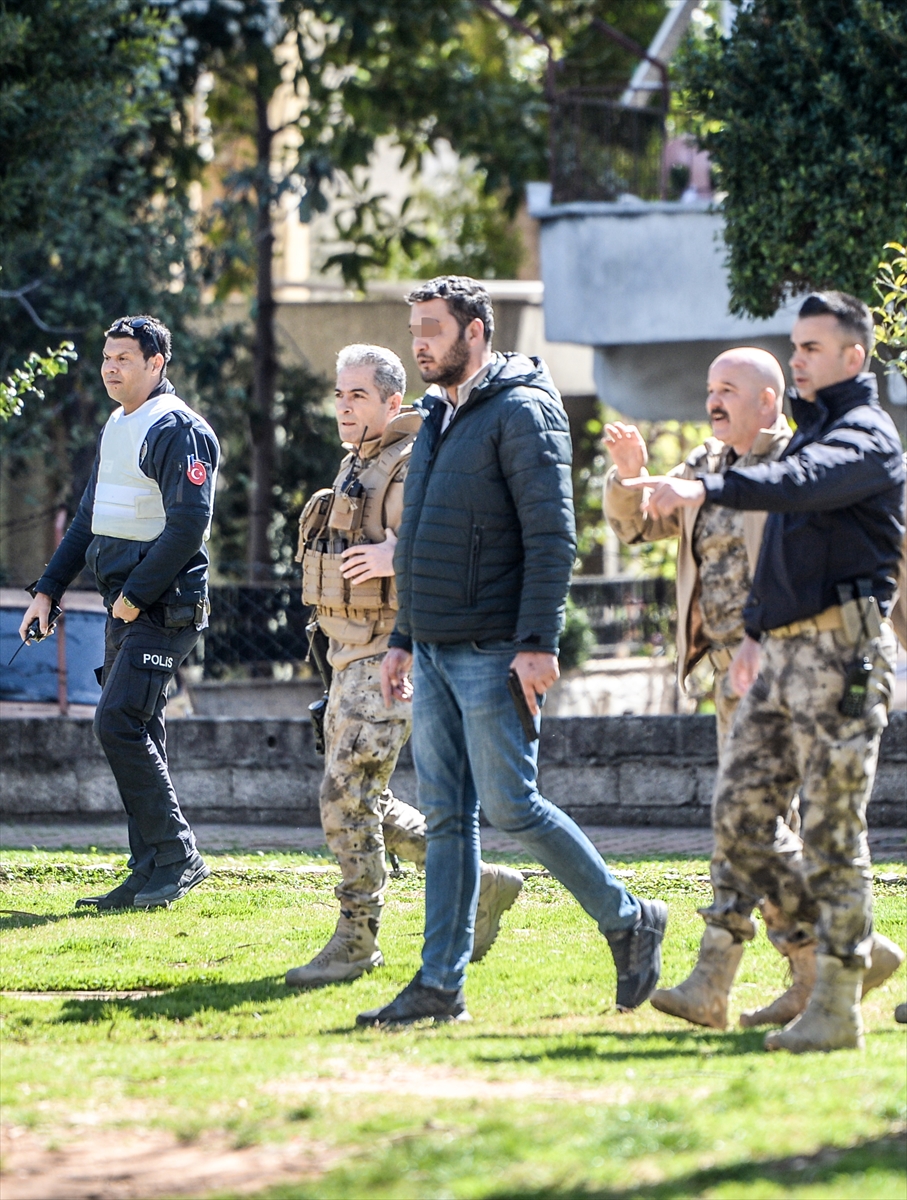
[(18, 919), (191, 998), (830, 1165), (180, 1002)]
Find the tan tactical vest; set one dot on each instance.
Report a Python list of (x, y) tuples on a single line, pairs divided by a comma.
[(336, 518)]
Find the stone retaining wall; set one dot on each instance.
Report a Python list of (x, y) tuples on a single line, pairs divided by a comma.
[(656, 770)]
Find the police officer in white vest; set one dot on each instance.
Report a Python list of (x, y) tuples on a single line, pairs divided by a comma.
[(141, 526)]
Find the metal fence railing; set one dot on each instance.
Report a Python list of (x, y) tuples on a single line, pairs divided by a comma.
[(601, 149), (637, 611), (254, 626)]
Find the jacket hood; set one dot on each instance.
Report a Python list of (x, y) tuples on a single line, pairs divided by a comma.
[(832, 402), (507, 371), (518, 370)]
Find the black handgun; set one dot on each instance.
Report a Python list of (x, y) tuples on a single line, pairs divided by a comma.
[(34, 634), (317, 712), (318, 652), (522, 707)]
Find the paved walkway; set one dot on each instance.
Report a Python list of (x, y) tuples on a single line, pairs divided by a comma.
[(613, 841)]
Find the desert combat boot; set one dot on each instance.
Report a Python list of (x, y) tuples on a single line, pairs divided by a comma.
[(352, 950), (885, 959), (498, 888), (832, 1020), (702, 997)]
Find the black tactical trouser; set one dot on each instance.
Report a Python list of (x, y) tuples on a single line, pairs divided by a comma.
[(140, 661)]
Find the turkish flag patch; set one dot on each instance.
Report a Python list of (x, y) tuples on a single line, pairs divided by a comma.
[(195, 472)]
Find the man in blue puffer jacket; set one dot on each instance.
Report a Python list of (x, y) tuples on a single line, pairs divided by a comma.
[(483, 563)]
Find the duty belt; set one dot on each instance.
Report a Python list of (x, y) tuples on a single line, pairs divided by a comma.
[(722, 658), (829, 619)]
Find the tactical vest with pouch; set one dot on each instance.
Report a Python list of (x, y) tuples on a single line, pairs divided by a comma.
[(347, 515)]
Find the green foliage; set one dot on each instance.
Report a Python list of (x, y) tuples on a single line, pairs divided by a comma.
[(94, 215), (307, 451), (419, 71), (891, 312), (803, 110), (669, 443), (578, 640), (24, 379)]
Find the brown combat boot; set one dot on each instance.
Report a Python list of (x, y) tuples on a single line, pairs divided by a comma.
[(352, 950), (885, 959), (832, 1020), (498, 889), (702, 997), (801, 959)]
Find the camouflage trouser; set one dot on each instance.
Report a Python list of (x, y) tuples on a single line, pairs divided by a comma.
[(727, 886), (788, 735), (360, 815)]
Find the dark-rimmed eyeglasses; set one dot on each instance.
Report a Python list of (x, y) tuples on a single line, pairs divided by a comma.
[(124, 328)]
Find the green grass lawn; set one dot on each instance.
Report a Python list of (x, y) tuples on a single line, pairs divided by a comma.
[(547, 1093)]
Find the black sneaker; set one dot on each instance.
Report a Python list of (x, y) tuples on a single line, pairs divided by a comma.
[(122, 896), (637, 954), (415, 1003), (172, 882)]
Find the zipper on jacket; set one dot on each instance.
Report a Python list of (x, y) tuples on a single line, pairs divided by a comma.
[(472, 584)]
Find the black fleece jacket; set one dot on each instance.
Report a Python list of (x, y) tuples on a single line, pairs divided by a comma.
[(172, 569), (487, 541), (836, 506)]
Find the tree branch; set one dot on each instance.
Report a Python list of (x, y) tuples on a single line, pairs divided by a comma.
[(20, 295)]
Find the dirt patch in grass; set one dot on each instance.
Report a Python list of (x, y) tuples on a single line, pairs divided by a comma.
[(128, 1164), (443, 1083)]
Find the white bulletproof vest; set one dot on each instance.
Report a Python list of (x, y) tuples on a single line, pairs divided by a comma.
[(127, 504)]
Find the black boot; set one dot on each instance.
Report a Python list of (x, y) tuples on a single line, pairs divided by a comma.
[(122, 896), (172, 882), (637, 954), (416, 1002)]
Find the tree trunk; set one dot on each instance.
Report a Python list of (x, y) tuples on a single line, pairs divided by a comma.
[(264, 358)]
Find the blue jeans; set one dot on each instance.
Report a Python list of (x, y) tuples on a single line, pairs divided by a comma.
[(469, 749)]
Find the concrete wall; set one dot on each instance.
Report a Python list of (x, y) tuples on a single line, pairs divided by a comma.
[(602, 770), (646, 285)]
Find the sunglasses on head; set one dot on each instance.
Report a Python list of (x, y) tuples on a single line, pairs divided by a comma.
[(124, 328)]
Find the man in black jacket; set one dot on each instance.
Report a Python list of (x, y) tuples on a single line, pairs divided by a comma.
[(141, 525), (483, 563), (816, 665)]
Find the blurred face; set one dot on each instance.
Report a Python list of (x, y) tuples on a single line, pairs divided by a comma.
[(359, 406), (443, 354), (128, 377), (824, 354), (739, 404)]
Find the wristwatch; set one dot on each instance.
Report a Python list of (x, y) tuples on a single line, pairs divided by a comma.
[(128, 602)]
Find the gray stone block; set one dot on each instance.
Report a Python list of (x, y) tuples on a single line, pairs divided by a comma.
[(98, 793), (644, 784), (576, 789), (705, 785), (698, 737), (288, 789), (32, 792), (204, 787), (403, 785), (894, 739)]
